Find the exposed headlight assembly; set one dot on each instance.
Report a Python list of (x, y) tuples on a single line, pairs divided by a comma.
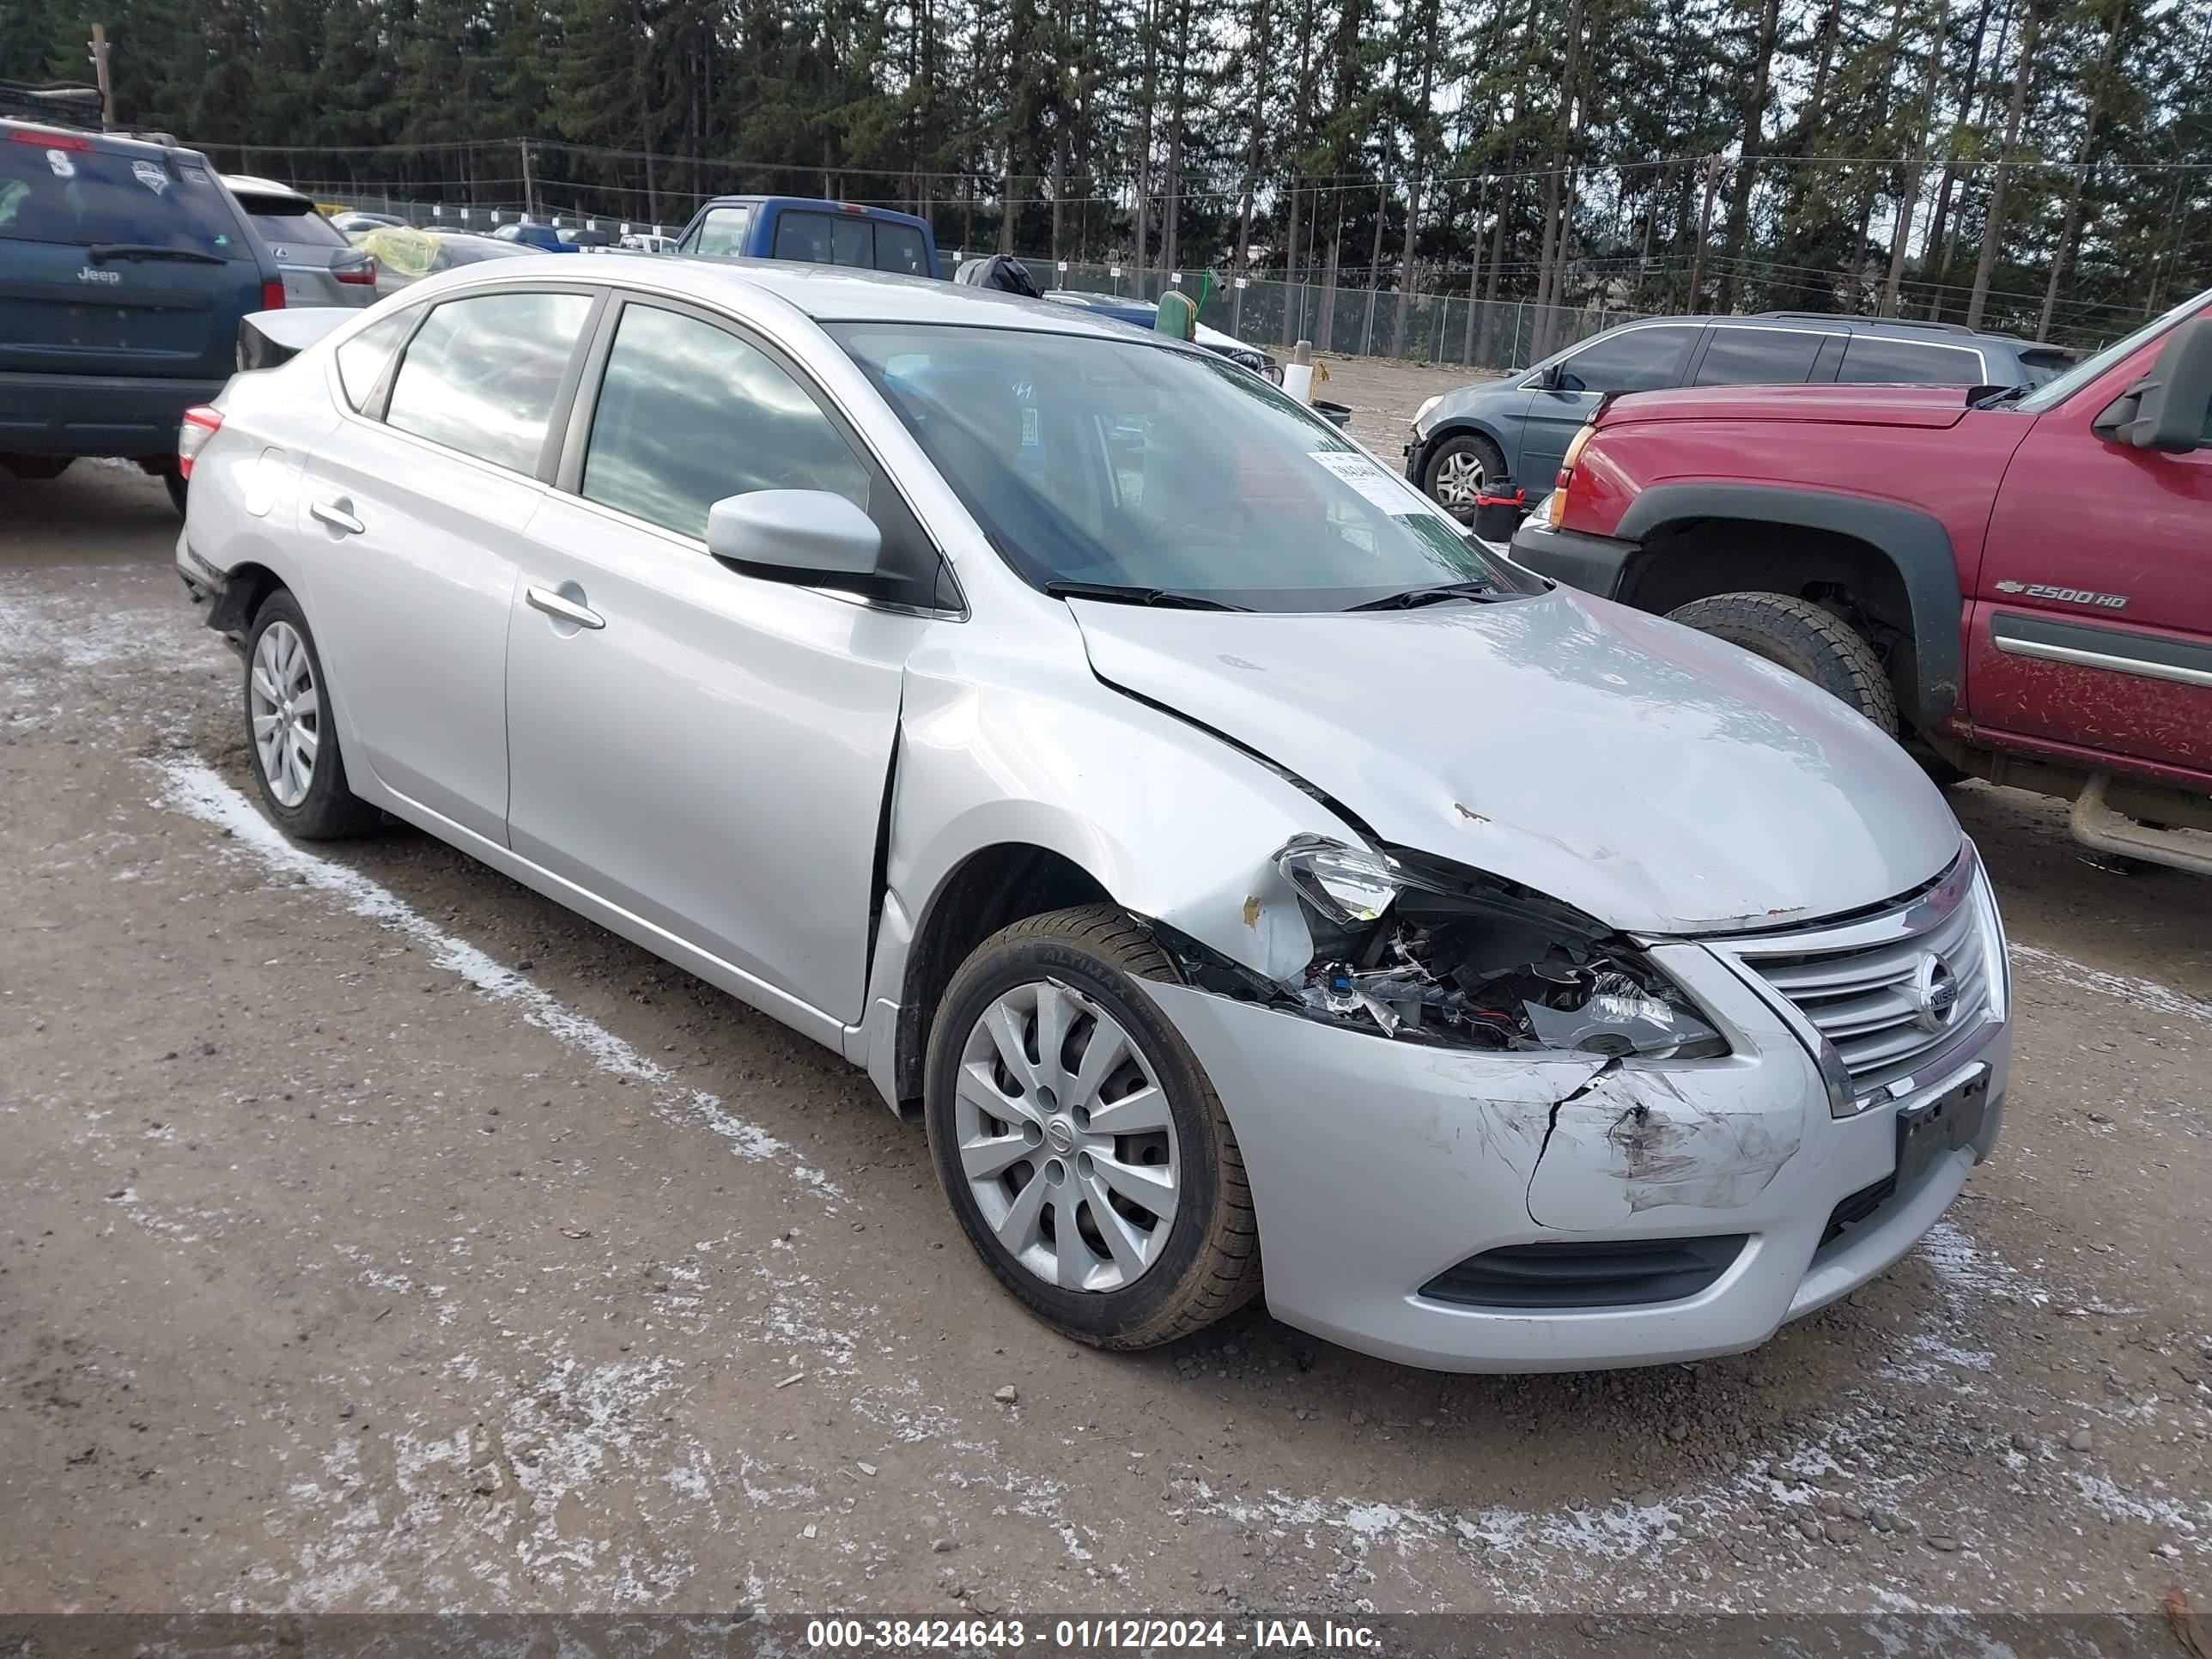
[(1427, 952), (1422, 413)]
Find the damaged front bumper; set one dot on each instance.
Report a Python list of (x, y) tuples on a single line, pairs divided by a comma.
[(1401, 1187)]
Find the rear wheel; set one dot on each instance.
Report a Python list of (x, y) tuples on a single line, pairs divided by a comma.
[(1084, 1152), (34, 469), (175, 484), (1459, 466), (290, 732), (1801, 637)]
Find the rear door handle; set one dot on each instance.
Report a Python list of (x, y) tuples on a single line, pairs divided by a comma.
[(338, 514), (563, 607)]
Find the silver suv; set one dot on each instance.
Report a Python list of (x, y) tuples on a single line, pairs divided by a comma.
[(319, 265)]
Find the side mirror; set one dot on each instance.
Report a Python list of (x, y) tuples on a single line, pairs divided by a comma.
[(1549, 377), (809, 538), (2169, 409)]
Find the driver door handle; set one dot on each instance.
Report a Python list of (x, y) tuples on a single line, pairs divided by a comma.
[(561, 606), (338, 514)]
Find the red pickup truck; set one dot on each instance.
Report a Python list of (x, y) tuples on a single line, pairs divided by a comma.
[(2017, 582)]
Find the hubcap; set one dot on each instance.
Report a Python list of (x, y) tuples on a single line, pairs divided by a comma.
[(286, 712), (1066, 1139), (1458, 478)]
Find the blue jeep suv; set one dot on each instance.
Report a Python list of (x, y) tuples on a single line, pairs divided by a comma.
[(125, 268), (1518, 427)]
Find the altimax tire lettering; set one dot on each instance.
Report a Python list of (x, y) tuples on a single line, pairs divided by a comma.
[(2066, 595)]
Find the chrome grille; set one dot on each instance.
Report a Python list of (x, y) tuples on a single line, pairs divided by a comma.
[(1876, 987)]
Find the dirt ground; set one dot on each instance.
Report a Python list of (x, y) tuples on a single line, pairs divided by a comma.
[(1382, 393), (379, 1236)]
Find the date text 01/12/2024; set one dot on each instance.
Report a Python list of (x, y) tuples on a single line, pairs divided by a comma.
[(1086, 1635)]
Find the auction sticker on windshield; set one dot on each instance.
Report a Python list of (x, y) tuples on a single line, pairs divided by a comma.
[(1370, 480)]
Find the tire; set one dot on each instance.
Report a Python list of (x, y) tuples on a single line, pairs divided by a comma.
[(1458, 465), (33, 469), (1084, 963), (175, 482), (1798, 635), (280, 648)]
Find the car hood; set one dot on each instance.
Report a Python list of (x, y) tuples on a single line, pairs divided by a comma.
[(1935, 406), (1661, 780)]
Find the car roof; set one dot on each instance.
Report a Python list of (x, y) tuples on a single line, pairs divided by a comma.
[(809, 202), (828, 294), (1835, 322)]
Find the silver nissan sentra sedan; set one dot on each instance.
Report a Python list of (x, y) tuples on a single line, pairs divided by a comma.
[(1228, 861)]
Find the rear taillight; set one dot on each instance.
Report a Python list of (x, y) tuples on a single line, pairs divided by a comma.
[(360, 276), (200, 424), (272, 296)]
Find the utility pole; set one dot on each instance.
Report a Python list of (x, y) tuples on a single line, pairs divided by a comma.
[(1704, 230), (529, 192), (100, 72)]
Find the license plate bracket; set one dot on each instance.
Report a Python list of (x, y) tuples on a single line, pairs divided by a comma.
[(1926, 1132)]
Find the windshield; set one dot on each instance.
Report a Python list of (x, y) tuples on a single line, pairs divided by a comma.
[(2055, 392), (1132, 464)]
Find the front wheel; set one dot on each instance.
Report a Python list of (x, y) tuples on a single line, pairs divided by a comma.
[(1459, 466), (1084, 1152), (1799, 635)]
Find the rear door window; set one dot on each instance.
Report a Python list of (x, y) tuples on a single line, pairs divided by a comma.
[(482, 375), (900, 248), (1874, 360), (1759, 357), (59, 193)]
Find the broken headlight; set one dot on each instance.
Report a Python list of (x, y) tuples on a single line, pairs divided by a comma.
[(1429, 953)]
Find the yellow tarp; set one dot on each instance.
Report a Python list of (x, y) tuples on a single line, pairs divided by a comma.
[(407, 252)]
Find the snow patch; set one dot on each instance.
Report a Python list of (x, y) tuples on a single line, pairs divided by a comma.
[(2144, 992), (195, 788)]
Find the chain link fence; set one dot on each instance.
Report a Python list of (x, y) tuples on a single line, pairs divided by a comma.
[(1437, 327)]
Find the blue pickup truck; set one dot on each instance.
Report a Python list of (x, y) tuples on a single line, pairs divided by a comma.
[(814, 231)]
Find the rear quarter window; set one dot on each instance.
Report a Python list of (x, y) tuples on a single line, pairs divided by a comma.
[(52, 193), (1871, 360)]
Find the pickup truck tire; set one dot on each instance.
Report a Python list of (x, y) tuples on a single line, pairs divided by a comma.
[(1801, 637), (1459, 466), (33, 469)]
